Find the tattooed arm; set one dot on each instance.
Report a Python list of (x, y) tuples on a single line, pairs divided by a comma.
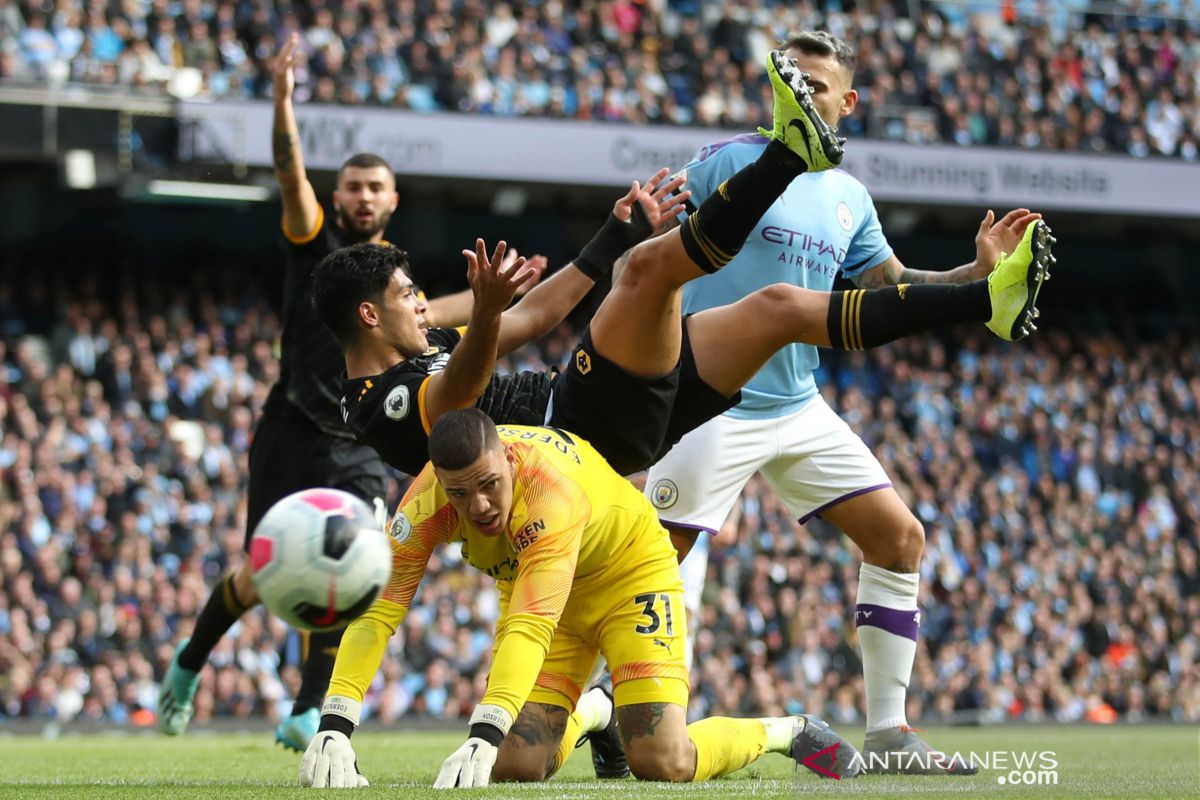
[(301, 211), (892, 272), (991, 239)]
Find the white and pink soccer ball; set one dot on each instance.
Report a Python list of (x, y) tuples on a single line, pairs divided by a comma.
[(320, 558)]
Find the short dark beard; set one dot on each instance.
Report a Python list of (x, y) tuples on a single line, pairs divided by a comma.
[(351, 234)]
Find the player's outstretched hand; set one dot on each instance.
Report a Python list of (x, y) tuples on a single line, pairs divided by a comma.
[(537, 266), (283, 77), (495, 281), (329, 762), (657, 198), (468, 766), (995, 238)]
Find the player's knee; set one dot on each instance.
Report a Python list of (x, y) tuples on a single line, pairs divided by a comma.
[(776, 299), (901, 550), (911, 542), (514, 766), (638, 267), (675, 762), (777, 307), (896, 542)]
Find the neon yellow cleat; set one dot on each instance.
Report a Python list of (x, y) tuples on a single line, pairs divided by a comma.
[(797, 123), (1015, 282)]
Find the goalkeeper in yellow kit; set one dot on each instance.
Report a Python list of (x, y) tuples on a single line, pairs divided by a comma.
[(583, 568)]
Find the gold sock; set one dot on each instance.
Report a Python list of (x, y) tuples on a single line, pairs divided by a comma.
[(725, 745)]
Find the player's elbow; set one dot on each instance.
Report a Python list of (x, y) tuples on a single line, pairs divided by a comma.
[(639, 267)]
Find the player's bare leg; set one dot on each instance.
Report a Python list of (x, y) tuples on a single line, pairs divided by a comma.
[(637, 326), (731, 343), (682, 539), (544, 736), (892, 541), (229, 600), (528, 752)]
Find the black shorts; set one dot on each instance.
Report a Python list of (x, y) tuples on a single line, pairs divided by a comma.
[(290, 454), (632, 420)]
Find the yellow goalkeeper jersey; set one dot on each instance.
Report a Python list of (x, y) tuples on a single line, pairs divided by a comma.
[(572, 518)]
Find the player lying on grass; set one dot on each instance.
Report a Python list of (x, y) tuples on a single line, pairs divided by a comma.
[(583, 568), (639, 379)]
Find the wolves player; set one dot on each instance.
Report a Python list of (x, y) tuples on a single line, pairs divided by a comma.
[(823, 224), (543, 513), (300, 441)]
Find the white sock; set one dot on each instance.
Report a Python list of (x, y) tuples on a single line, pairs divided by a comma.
[(693, 571), (888, 622), (594, 710), (780, 732)]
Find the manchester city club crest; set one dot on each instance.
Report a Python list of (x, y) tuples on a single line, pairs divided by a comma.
[(664, 493), (844, 217)]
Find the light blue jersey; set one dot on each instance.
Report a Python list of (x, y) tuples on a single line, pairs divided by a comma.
[(823, 223)]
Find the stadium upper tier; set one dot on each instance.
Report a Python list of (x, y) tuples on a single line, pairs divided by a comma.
[(1051, 76)]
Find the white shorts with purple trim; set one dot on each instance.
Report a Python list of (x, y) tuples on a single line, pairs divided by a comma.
[(812, 459)]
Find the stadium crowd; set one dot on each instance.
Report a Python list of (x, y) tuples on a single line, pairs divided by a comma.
[(1018, 73), (1059, 483)]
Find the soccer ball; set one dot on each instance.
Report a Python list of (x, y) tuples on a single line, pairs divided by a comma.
[(319, 558)]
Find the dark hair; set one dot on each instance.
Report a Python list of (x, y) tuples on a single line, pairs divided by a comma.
[(460, 437), (823, 43), (365, 161), (347, 277)]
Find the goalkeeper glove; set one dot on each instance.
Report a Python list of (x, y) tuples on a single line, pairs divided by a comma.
[(329, 762), (471, 765)]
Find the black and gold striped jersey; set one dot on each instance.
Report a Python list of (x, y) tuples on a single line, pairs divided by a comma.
[(387, 411), (311, 364)]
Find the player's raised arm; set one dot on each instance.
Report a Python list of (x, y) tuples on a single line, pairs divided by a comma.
[(993, 238), (635, 216), (301, 211), (493, 284), (453, 310), (559, 510)]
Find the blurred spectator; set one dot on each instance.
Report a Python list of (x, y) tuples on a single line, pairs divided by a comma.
[(1058, 482), (1078, 75)]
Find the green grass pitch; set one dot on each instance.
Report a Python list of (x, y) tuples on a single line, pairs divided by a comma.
[(1118, 762)]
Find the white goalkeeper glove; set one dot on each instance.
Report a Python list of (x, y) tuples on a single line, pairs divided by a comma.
[(471, 765), (329, 762)]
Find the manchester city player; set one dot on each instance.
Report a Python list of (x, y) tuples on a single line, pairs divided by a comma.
[(824, 224)]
